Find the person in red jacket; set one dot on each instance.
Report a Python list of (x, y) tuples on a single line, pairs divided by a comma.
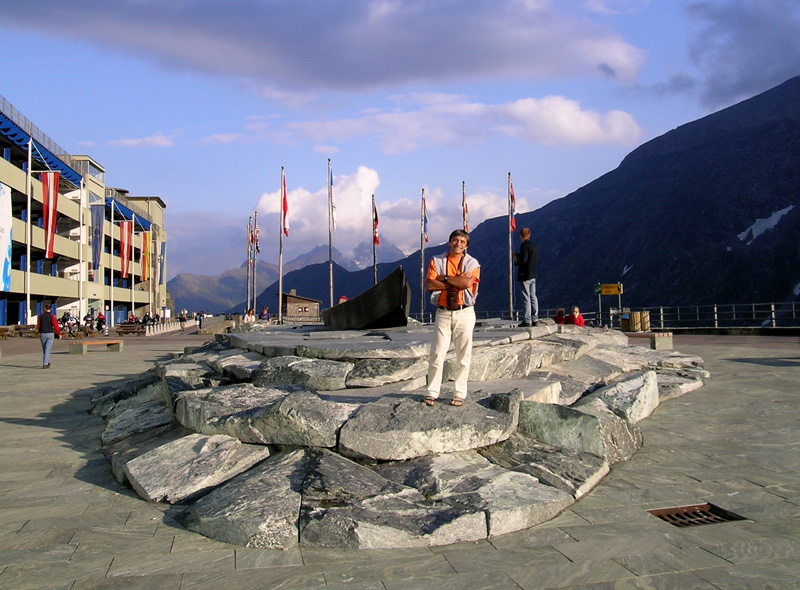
[(560, 317), (47, 326), (575, 317)]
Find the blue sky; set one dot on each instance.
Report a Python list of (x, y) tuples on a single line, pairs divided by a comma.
[(202, 102)]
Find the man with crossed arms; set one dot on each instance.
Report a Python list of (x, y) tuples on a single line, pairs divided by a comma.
[(452, 281)]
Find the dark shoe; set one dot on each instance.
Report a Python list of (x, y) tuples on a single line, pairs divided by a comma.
[(457, 401), (429, 400), (524, 325), (47, 366)]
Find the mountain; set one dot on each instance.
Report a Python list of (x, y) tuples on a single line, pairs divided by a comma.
[(385, 252), (216, 293), (316, 256), (706, 213)]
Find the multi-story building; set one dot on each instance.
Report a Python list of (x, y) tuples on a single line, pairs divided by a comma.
[(82, 247)]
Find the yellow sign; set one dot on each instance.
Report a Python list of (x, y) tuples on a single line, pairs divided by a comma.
[(612, 289)]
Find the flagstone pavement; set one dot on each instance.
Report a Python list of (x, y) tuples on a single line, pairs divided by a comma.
[(65, 523)]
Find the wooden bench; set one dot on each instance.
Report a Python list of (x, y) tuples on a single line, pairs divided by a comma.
[(125, 329), (28, 330), (82, 346), (658, 340)]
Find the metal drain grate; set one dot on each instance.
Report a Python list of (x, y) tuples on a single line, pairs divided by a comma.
[(683, 516)]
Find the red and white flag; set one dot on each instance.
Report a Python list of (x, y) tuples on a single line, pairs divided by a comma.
[(375, 237), (50, 182), (512, 224), (284, 205), (125, 240)]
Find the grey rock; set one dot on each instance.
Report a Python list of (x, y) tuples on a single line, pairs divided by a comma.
[(569, 470), (226, 410), (285, 415), (511, 500), (393, 429), (377, 372), (302, 418), (633, 397), (495, 362), (121, 452), (137, 419), (258, 508), (374, 347), (316, 374), (240, 366), (189, 467), (348, 506), (105, 400), (675, 383), (592, 429)]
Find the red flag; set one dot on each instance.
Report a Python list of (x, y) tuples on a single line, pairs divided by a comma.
[(50, 182), (375, 237), (125, 239), (284, 205), (513, 213), (144, 255)]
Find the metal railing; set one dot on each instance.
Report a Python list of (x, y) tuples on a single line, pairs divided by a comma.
[(736, 315), (715, 315)]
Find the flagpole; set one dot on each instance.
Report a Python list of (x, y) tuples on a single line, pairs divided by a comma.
[(130, 261), (510, 254), (110, 319), (255, 262), (249, 257), (374, 243), (82, 273), (28, 189), (422, 259), (330, 232), (464, 205), (280, 249)]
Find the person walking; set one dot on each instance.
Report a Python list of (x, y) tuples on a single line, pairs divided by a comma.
[(527, 261), (48, 329), (452, 280)]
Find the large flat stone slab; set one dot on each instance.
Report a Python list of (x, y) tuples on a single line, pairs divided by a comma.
[(633, 397), (593, 429), (569, 470), (265, 415), (511, 500), (393, 429), (258, 508), (348, 506), (377, 372), (137, 419), (316, 374), (189, 467)]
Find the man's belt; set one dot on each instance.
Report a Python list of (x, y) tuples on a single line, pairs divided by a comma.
[(459, 308)]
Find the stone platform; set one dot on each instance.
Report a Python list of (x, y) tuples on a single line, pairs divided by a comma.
[(280, 436)]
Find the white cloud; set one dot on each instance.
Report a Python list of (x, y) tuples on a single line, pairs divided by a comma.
[(220, 138), (157, 140), (438, 119)]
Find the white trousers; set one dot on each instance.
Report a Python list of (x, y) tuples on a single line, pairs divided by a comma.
[(456, 326)]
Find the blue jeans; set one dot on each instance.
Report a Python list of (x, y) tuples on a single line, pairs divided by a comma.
[(47, 345), (530, 304)]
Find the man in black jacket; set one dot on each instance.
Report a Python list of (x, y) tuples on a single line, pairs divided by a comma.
[(48, 329), (527, 261)]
